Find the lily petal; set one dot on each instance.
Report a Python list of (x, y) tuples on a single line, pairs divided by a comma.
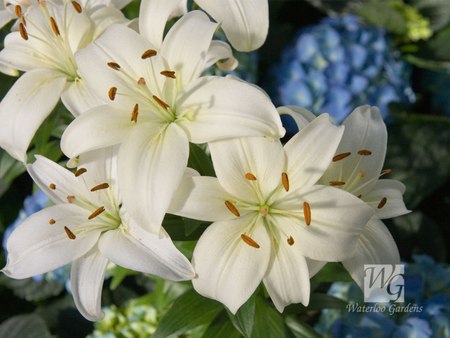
[(337, 218), (217, 108), (386, 198), (86, 277), (245, 22), (154, 15), (19, 54), (99, 127), (301, 116), (201, 198), (78, 98), (220, 52), (310, 152), (186, 45), (30, 100), (151, 166), (36, 246), (365, 137), (228, 269), (265, 160), (375, 246), (287, 280), (146, 252)]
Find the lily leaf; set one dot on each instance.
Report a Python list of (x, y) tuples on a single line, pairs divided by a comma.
[(24, 326)]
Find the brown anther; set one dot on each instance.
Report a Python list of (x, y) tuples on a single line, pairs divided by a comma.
[(232, 208), (386, 171), (135, 113), (364, 152), (336, 183), (169, 73), (80, 172), (52, 186), (113, 65), (23, 31), (100, 187), (18, 11), (250, 241), (51, 221), (96, 212), (54, 26), (160, 102), (77, 6), (70, 198), (112, 93), (285, 181), (307, 212), (382, 203), (362, 173), (339, 157), (250, 177), (69, 233), (359, 196), (141, 81), (148, 54), (290, 241)]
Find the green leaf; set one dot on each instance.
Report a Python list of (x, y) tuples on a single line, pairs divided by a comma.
[(300, 329), (380, 13), (317, 301), (438, 11), (244, 319), (332, 272), (31, 290), (419, 155), (118, 275), (9, 170), (176, 227), (24, 326), (189, 311), (437, 48), (267, 322), (200, 161), (221, 327)]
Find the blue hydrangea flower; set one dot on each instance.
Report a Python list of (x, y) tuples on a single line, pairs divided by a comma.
[(340, 64), (427, 285)]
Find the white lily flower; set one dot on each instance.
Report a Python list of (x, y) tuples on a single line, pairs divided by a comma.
[(43, 47), (269, 215), (89, 227), (244, 22), (357, 168), (158, 103)]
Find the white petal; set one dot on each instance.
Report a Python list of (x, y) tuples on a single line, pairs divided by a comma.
[(78, 98), (9, 71), (392, 191), (151, 166), (287, 280), (29, 101), (201, 198), (154, 15), (228, 269), (36, 246), (218, 108), (145, 252), (245, 22), (337, 219), (375, 246), (99, 127), (186, 45), (221, 53), (301, 116), (19, 54), (314, 266), (86, 279), (364, 130), (5, 17), (103, 17), (259, 156), (46, 172), (310, 152)]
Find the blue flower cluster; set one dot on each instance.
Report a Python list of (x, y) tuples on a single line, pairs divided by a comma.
[(340, 64), (425, 313), (31, 205)]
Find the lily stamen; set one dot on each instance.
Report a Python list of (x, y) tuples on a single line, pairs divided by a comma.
[(232, 208), (80, 172), (114, 65), (290, 241), (250, 241), (135, 113), (285, 181), (141, 81), (148, 54), (100, 187), (160, 102), (54, 26), (96, 213), (70, 199), (382, 203), (52, 186), (250, 177), (364, 152), (341, 156), (307, 212), (69, 233), (77, 6), (18, 11), (23, 31), (112, 93), (51, 221), (168, 73), (336, 183)]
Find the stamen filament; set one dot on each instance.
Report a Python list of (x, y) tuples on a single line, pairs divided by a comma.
[(249, 241)]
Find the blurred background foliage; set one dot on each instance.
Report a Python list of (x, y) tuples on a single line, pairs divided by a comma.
[(327, 55)]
